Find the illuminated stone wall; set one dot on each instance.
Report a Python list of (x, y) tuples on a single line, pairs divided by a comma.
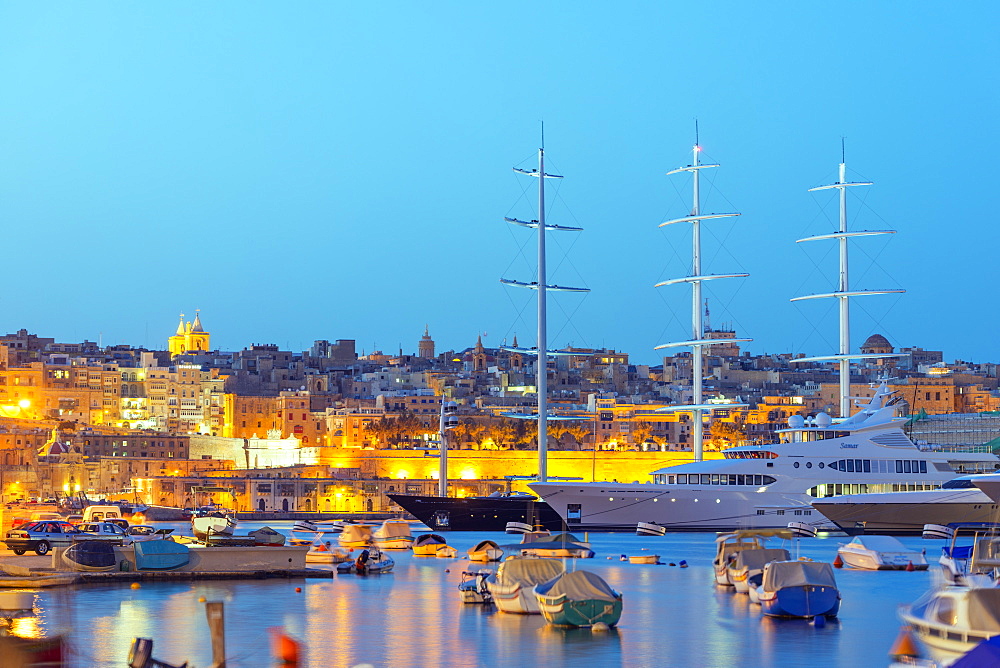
[(482, 464)]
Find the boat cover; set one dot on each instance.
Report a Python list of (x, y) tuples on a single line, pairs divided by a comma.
[(558, 538), (356, 532), (578, 586), (92, 554), (984, 655), (880, 544), (429, 539), (528, 571), (984, 610), (267, 536), (754, 560), (393, 529), (484, 545), (780, 574), (161, 555)]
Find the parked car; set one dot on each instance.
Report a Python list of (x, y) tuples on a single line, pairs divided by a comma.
[(40, 537), (104, 531), (140, 532)]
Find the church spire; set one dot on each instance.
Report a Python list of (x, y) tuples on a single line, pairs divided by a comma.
[(196, 325), (180, 327)]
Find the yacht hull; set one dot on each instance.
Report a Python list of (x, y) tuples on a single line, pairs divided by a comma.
[(619, 506), (478, 513), (805, 601), (906, 513)]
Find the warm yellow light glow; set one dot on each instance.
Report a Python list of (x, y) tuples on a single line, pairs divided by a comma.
[(434, 475), (66, 487), (403, 475), (339, 495), (24, 403), (469, 474)]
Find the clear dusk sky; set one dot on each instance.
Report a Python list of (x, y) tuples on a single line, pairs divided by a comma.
[(326, 170)]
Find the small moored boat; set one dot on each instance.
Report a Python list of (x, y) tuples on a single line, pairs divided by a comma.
[(644, 559), (428, 544), (751, 562), (518, 527), (370, 561), (91, 555), (650, 529), (356, 535), (213, 525), (266, 536), (511, 586), (473, 586), (160, 555), (394, 535), (728, 545), (799, 589), (485, 551), (578, 598), (881, 553), (558, 546), (951, 620)]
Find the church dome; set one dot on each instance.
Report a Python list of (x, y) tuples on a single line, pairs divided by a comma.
[(876, 343)]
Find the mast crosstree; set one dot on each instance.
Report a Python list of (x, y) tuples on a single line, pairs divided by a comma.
[(543, 288), (698, 340), (844, 293)]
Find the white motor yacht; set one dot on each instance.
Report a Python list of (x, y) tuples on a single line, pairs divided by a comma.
[(770, 485), (959, 500), (881, 553)]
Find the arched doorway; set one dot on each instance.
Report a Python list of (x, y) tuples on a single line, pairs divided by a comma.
[(284, 505), (260, 505)]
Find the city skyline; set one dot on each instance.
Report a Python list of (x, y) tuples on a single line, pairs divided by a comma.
[(344, 171)]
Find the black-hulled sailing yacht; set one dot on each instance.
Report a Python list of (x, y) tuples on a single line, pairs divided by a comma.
[(494, 512)]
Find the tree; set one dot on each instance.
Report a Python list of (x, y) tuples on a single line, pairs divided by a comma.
[(726, 434), (641, 432), (579, 431), (502, 432)]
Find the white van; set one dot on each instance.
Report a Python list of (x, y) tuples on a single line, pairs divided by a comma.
[(101, 513)]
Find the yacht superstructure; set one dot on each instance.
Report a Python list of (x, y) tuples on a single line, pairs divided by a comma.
[(762, 487)]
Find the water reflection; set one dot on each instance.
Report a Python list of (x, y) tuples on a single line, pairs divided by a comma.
[(414, 617)]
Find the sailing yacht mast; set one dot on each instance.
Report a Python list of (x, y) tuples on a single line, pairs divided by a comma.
[(844, 292), (698, 340), (541, 365)]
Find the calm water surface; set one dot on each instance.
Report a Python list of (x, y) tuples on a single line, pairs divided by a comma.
[(414, 617)]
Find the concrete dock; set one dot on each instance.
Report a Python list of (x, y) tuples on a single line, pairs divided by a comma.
[(44, 566)]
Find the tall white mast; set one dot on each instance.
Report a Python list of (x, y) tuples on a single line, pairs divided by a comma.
[(844, 292), (698, 340), (541, 366)]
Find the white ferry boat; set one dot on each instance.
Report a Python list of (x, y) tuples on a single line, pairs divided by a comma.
[(762, 487)]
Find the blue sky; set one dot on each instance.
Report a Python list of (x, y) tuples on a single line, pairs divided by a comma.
[(304, 171)]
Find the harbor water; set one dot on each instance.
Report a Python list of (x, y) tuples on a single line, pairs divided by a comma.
[(413, 616)]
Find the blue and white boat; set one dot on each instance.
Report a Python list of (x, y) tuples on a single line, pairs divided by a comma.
[(799, 589)]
